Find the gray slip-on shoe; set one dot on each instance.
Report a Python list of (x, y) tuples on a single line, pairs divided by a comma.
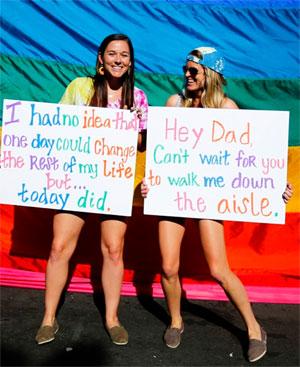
[(172, 336), (257, 348)]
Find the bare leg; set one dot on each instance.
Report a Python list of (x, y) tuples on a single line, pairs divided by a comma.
[(170, 237), (66, 229), (112, 244), (212, 238)]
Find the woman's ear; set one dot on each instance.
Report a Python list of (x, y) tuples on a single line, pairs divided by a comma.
[(100, 59)]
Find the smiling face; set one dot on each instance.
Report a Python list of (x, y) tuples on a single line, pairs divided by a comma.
[(194, 77), (116, 58)]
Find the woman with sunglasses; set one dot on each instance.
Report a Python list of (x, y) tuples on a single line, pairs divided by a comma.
[(112, 86), (203, 88)]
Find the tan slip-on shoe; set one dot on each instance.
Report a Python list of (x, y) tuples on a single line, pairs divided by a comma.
[(118, 335), (47, 333)]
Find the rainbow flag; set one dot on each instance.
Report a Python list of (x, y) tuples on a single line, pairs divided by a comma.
[(45, 44)]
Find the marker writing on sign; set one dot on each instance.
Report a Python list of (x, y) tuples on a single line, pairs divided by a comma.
[(182, 133), (12, 108), (44, 197)]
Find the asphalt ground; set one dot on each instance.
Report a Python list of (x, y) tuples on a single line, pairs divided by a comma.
[(214, 333)]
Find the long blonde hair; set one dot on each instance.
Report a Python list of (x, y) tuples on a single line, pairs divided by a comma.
[(213, 95)]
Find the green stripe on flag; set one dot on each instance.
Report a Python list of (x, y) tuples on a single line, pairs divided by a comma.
[(29, 79)]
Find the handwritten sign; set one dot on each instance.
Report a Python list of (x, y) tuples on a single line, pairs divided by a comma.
[(217, 163), (67, 157)]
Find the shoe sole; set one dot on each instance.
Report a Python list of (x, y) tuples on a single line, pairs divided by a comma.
[(118, 343), (173, 346), (46, 341)]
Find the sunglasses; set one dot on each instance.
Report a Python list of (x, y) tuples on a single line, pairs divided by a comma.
[(193, 71)]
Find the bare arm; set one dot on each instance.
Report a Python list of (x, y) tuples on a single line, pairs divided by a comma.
[(172, 101), (229, 103)]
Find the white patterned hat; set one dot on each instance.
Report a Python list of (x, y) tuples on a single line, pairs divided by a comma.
[(211, 58)]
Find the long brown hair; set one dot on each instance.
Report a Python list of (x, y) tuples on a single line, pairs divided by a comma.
[(213, 94), (99, 98)]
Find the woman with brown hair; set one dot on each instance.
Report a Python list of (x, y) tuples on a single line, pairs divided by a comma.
[(112, 86)]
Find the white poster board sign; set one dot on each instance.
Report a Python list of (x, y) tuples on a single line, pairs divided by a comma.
[(67, 157), (217, 163)]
